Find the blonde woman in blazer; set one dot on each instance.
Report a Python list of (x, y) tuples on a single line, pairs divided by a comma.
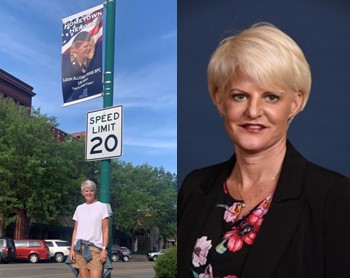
[(267, 212)]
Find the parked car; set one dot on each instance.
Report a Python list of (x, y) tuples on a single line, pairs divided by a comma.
[(59, 249), (33, 250), (7, 250), (120, 253), (152, 256)]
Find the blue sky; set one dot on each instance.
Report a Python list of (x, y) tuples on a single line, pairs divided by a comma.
[(144, 77)]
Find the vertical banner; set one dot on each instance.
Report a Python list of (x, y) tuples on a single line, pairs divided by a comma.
[(82, 56)]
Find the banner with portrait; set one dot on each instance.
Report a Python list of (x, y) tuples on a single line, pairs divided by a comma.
[(82, 56)]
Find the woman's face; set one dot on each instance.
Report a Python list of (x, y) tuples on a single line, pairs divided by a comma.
[(255, 119), (89, 194), (83, 51)]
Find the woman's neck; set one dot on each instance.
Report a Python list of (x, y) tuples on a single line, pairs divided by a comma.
[(254, 168), (91, 202)]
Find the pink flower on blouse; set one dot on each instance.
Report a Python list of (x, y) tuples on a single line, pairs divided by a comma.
[(208, 272), (200, 252), (262, 209), (231, 213), (245, 232), (235, 241)]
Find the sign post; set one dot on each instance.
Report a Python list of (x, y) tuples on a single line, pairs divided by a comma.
[(107, 102)]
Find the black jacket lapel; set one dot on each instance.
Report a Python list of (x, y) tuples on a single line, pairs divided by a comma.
[(281, 221)]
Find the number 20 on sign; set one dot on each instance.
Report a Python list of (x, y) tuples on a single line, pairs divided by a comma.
[(104, 133)]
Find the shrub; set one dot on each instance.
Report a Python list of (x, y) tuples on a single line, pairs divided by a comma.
[(165, 266)]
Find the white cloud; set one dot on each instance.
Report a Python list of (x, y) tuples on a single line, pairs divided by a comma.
[(151, 144), (170, 35)]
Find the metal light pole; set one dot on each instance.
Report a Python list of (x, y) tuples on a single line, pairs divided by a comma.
[(108, 101)]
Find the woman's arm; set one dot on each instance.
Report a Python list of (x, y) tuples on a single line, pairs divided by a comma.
[(105, 233), (72, 254)]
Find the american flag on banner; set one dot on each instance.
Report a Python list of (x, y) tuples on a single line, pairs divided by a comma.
[(82, 55)]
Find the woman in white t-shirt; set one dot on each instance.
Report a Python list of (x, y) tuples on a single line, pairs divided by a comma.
[(90, 234)]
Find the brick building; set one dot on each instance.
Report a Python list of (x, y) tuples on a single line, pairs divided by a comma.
[(12, 87), (22, 94)]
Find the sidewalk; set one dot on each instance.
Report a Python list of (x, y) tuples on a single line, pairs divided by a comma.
[(139, 258)]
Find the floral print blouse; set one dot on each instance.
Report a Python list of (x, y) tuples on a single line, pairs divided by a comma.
[(222, 249)]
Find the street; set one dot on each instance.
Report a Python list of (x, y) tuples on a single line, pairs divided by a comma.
[(60, 270)]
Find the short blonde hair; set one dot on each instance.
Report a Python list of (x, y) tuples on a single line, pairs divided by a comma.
[(265, 54), (89, 184)]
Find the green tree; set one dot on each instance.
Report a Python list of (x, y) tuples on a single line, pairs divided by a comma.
[(164, 203), (37, 172), (78, 170), (143, 197)]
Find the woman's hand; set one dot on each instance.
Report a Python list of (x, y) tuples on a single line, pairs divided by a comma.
[(103, 256), (72, 255)]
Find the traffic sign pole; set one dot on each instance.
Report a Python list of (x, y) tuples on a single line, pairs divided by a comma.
[(107, 102)]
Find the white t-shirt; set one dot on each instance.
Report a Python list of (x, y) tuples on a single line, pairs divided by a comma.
[(89, 218)]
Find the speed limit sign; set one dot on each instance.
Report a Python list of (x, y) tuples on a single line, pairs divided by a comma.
[(104, 133)]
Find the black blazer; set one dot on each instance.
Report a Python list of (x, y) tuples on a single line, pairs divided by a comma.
[(306, 232)]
